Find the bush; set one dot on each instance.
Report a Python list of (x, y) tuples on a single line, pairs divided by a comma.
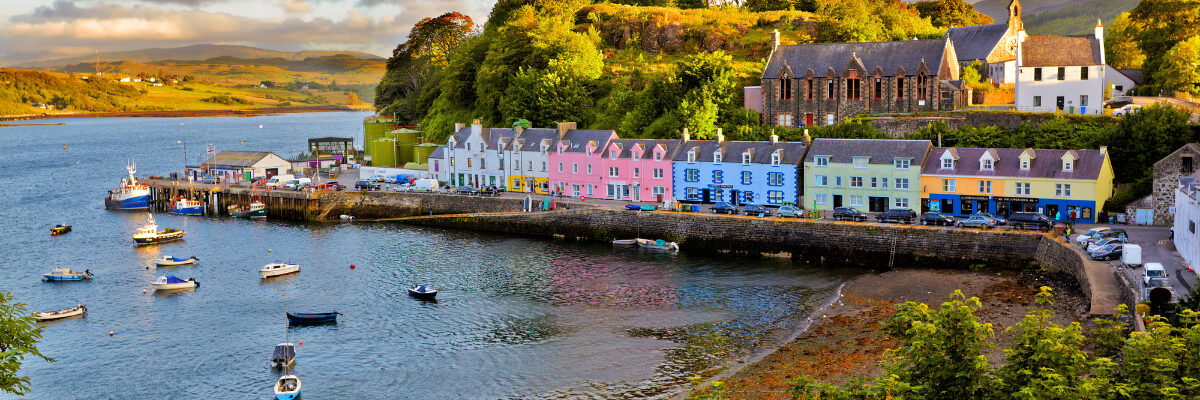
[(227, 100)]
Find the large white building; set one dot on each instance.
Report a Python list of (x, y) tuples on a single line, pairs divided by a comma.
[(473, 157), (1064, 73), (1187, 216)]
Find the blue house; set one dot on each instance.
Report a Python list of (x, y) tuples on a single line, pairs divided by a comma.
[(710, 171)]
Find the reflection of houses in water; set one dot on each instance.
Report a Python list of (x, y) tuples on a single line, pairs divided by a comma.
[(611, 282)]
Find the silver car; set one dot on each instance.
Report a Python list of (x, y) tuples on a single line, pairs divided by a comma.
[(977, 221)]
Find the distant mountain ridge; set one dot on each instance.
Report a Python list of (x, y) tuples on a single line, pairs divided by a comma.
[(193, 52)]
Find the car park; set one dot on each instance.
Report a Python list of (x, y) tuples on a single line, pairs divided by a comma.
[(1101, 243), (897, 215), (1109, 234), (848, 214), (995, 218), (725, 208), (1152, 271), (1111, 251), (755, 209), (939, 219), (977, 221), (790, 212), (366, 185), (1030, 220), (1091, 233)]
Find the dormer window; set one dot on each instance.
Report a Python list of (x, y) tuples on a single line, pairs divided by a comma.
[(1024, 165), (692, 155), (658, 156), (821, 161), (775, 158), (636, 156), (902, 163), (985, 164), (746, 158), (612, 154), (947, 163), (860, 162), (717, 157), (1068, 165)]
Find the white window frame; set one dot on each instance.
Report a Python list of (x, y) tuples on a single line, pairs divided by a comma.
[(1062, 190), (822, 161), (986, 165), (948, 185), (947, 163), (589, 169), (637, 173), (775, 158), (717, 157), (614, 172), (901, 183), (985, 187), (874, 182), (1068, 166), (746, 177), (902, 164), (860, 182), (856, 200), (1022, 188), (821, 198), (746, 158), (658, 173), (691, 156), (575, 168), (821, 180), (1024, 165), (860, 162), (900, 202), (560, 167)]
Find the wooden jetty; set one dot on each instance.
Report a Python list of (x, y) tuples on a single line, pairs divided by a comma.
[(281, 203)]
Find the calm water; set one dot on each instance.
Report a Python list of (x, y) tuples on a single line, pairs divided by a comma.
[(517, 317)]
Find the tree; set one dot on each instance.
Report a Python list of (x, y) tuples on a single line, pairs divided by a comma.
[(947, 13), (1120, 45), (1143, 137), (935, 339), (352, 98), (1047, 359), (1180, 69), (429, 47), (1161, 24), (19, 335)]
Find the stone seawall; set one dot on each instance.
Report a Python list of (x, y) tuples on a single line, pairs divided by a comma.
[(377, 205)]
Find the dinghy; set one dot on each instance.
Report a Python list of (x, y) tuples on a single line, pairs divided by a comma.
[(624, 242), (168, 261), (312, 318), (66, 274), (287, 387), (278, 268), (658, 245), (422, 292), (60, 314), (284, 356), (59, 230), (171, 282)]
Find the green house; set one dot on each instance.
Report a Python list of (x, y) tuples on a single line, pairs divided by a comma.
[(871, 175)]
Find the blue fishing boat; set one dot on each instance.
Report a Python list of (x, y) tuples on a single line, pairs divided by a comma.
[(422, 292), (187, 207), (66, 274), (170, 261), (131, 195), (633, 207), (312, 318)]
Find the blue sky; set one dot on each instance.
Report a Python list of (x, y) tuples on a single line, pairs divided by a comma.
[(73, 27)]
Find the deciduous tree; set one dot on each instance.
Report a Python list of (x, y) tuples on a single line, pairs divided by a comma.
[(1180, 69), (947, 13), (1120, 44), (19, 335)]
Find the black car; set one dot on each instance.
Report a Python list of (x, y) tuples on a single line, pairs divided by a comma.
[(725, 208), (1111, 251), (366, 185), (1030, 220), (755, 209), (932, 218), (848, 214), (465, 189), (897, 215)]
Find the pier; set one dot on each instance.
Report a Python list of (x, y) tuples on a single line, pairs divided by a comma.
[(281, 203)]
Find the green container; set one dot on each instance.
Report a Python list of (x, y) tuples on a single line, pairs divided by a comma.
[(422, 151), (406, 139), (383, 153)]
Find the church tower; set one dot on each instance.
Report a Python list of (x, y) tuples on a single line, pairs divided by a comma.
[(1014, 16)]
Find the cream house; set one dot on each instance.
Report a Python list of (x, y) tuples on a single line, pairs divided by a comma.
[(1065, 73)]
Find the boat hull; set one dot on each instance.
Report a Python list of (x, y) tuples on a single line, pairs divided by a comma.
[(188, 211), (174, 286), (269, 273), (423, 295), (287, 393), (158, 238), (60, 314), (162, 263), (137, 202), (312, 319), (54, 277), (59, 230), (256, 214)]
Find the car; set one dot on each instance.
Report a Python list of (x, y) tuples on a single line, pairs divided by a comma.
[(377, 178), (790, 211), (897, 215), (334, 185), (1153, 270), (1111, 251), (848, 214), (1109, 234), (1030, 220), (996, 218), (210, 179), (1118, 102), (977, 221), (1090, 233), (755, 209), (366, 185), (1155, 283), (725, 208), (1101, 243), (939, 219), (1126, 110), (466, 189)]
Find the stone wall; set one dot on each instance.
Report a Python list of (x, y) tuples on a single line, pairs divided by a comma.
[(375, 205), (1166, 179)]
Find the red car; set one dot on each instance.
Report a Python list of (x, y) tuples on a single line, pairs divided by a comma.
[(331, 185)]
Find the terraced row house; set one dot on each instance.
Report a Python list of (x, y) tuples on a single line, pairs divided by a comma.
[(738, 172)]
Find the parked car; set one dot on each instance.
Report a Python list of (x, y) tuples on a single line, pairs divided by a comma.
[(790, 212), (848, 214), (424, 185), (897, 215), (939, 219), (1091, 233), (1126, 110), (1153, 270), (1156, 283), (465, 189), (377, 178), (334, 185), (1111, 251), (1030, 220), (366, 185), (725, 208), (1118, 102), (1101, 243), (1109, 234), (279, 180), (208, 179), (298, 183), (755, 209), (995, 218), (977, 221)]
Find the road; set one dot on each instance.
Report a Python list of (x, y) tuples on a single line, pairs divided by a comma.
[(1156, 247)]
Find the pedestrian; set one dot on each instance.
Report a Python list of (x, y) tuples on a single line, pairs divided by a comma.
[(1058, 215)]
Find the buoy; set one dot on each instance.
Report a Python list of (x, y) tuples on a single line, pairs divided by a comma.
[(351, 266), (64, 147), (110, 333), (143, 291), (301, 342), (268, 250)]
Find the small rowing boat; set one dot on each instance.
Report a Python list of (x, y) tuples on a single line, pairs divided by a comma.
[(169, 261), (287, 387), (658, 244), (312, 318), (422, 292), (284, 355), (60, 314), (66, 274), (59, 230), (171, 282), (624, 242)]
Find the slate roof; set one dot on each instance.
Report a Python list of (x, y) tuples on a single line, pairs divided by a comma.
[(880, 151), (235, 159), (647, 146), (1060, 51), (491, 137), (887, 55), (1133, 74), (793, 152), (976, 42), (1046, 163), (439, 152), (460, 137), (534, 136), (577, 139)]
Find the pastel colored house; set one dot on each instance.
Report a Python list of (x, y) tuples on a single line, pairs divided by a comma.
[(869, 174), (638, 169), (528, 157), (436, 164), (709, 171), (468, 156), (576, 165), (962, 181)]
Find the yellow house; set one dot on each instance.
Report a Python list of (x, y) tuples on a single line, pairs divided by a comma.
[(1061, 184)]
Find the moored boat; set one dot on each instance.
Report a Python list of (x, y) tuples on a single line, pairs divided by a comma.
[(287, 387), (60, 314), (149, 233), (169, 261), (284, 355), (312, 318), (624, 242), (66, 274), (423, 292), (171, 282), (59, 230), (131, 195), (187, 207), (658, 244), (278, 268), (256, 210)]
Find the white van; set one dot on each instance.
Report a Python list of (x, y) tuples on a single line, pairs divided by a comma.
[(279, 180), (298, 183), (1131, 255), (425, 185), (1153, 270)]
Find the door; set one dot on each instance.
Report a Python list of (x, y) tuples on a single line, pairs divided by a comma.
[(1002, 208), (808, 119), (837, 200), (637, 194), (878, 204), (1060, 103), (272, 172), (1052, 211), (733, 197), (707, 196), (947, 206), (1145, 216)]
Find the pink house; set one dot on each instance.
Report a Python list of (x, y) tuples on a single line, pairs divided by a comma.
[(637, 169), (576, 166)]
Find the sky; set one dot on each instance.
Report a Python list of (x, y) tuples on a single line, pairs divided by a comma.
[(74, 27)]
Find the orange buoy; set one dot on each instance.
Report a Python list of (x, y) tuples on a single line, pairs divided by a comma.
[(64, 147), (351, 266), (143, 291), (110, 333), (301, 342)]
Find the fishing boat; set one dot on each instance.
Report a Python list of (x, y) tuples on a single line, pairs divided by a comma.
[(131, 195), (312, 318), (187, 207), (422, 292), (59, 230), (633, 207), (256, 210), (284, 356), (60, 314), (149, 233), (658, 244), (278, 268), (66, 274), (624, 242), (169, 261), (171, 282), (287, 387)]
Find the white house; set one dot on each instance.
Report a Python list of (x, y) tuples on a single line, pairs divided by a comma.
[(234, 165), (1061, 73), (1187, 216), (993, 46), (1122, 81), (436, 164), (473, 157)]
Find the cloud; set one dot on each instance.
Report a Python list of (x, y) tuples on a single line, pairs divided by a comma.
[(294, 6)]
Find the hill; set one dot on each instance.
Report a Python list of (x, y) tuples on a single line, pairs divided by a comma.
[(193, 52), (227, 70), (1077, 18)]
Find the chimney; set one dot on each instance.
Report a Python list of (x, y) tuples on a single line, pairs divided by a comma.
[(1103, 150), (685, 137), (720, 136), (774, 40), (476, 128), (1100, 38), (458, 126), (518, 130), (563, 127), (807, 139)]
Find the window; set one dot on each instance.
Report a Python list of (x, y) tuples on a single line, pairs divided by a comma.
[(774, 196), (821, 198), (717, 157), (856, 201), (1083, 100), (810, 89), (691, 175), (902, 163), (860, 162), (985, 164), (1185, 165), (900, 202), (821, 180), (821, 161), (985, 187), (451, 161), (658, 191), (543, 166), (785, 119), (856, 182), (745, 177), (901, 183), (922, 86), (612, 155), (776, 179), (1037, 74), (575, 168), (830, 119), (1083, 73), (692, 193), (874, 182), (468, 146), (692, 156), (658, 173), (636, 156), (1062, 73), (837, 181), (745, 158), (832, 89), (748, 196), (1022, 188), (775, 158), (718, 176), (948, 185), (718, 195), (637, 172), (1062, 190), (947, 163), (560, 168), (574, 190), (1068, 165), (589, 169), (900, 87), (1024, 165), (531, 167), (590, 187), (785, 88), (469, 162), (966, 207), (1037, 101), (658, 156), (516, 165), (878, 87), (883, 183), (853, 89)]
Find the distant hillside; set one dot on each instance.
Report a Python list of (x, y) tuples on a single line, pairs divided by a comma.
[(998, 9), (227, 70), (1078, 18), (194, 52)]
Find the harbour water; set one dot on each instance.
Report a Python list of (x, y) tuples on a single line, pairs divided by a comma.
[(516, 317)]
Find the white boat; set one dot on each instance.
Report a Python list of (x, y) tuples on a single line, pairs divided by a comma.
[(287, 387), (657, 245), (168, 261), (625, 242), (131, 195), (171, 282), (60, 314), (149, 233), (346, 217), (278, 268), (66, 274)]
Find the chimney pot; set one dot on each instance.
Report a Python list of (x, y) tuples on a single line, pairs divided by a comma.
[(720, 136), (685, 137)]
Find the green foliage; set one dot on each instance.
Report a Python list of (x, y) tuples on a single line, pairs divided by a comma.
[(1077, 19), (951, 335), (871, 21), (1161, 24), (20, 88), (430, 45), (1180, 69), (972, 75), (779, 5), (19, 335), (947, 13), (1120, 45), (227, 100), (1143, 137), (1046, 360)]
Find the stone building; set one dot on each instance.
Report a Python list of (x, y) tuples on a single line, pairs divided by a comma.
[(994, 46), (824, 84), (1167, 172)]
